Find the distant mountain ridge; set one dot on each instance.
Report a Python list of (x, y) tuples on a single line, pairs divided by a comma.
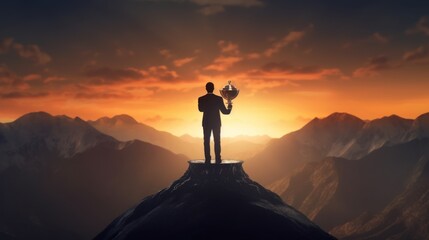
[(376, 197), (60, 178), (338, 135)]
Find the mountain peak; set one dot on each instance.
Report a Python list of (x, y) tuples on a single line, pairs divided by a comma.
[(424, 117), (125, 119), (32, 116), (341, 117), (213, 202), (122, 119), (335, 120)]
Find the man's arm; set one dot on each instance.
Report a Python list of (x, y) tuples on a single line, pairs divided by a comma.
[(200, 105), (222, 107)]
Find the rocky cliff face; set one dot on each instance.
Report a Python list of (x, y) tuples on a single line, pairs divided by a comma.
[(213, 202)]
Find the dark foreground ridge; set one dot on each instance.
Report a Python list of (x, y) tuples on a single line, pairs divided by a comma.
[(213, 202)]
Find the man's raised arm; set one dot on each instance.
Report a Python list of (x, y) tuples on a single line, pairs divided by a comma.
[(223, 109)]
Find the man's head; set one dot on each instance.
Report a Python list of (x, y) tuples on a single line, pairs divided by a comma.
[(209, 87)]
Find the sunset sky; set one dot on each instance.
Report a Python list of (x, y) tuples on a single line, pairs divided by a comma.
[(291, 60)]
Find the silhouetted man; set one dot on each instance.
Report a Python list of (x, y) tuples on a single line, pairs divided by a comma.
[(211, 104)]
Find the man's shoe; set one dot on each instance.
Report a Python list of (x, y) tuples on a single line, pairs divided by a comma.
[(218, 161), (207, 161)]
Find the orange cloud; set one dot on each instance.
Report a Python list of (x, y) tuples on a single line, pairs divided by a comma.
[(228, 47), (416, 54), (223, 63), (165, 52), (284, 71), (373, 66), (108, 75), (183, 61), (230, 55), (291, 37)]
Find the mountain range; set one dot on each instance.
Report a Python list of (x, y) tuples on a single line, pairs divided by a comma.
[(356, 179), (338, 135), (65, 178)]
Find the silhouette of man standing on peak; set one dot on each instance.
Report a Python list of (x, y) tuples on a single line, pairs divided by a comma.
[(211, 104)]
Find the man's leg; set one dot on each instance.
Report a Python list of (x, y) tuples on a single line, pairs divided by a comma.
[(216, 136), (207, 132)]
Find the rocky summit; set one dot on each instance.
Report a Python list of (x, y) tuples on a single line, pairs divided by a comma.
[(213, 201)]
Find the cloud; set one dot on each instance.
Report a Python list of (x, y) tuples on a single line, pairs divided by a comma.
[(223, 63), (379, 38), (162, 73), (291, 37), (5, 44), (32, 77), (416, 54), (373, 66), (7, 77), (165, 52), (253, 56), (373, 38), (102, 95), (53, 79), (212, 7), (230, 55), (239, 3), (108, 75), (122, 52), (284, 71), (422, 26), (228, 47), (16, 94), (182, 61), (211, 10), (30, 51)]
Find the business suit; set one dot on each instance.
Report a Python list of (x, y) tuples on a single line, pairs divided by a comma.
[(211, 104)]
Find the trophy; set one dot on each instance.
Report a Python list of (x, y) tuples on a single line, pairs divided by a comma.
[(229, 92)]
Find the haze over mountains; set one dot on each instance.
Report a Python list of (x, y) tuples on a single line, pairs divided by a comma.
[(64, 178), (126, 128)]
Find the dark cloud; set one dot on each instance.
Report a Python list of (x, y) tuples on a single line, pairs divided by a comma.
[(7, 77), (162, 73), (291, 37), (374, 65), (30, 51), (416, 54), (284, 71), (422, 26), (108, 75), (22, 94), (286, 67), (212, 7), (102, 95)]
